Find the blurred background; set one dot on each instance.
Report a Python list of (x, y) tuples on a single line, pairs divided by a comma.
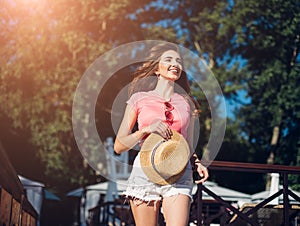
[(251, 46)]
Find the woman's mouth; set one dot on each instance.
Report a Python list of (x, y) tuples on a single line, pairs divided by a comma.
[(174, 70)]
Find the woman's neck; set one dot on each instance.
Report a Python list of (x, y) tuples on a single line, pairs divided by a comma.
[(165, 89)]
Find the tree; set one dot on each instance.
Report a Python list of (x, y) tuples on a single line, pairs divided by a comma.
[(251, 46), (45, 48), (266, 36)]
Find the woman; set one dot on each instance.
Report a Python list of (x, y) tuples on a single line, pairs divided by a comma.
[(151, 110)]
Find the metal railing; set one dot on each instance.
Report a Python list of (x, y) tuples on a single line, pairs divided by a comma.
[(251, 168)]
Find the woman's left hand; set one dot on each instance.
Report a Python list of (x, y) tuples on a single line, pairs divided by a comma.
[(202, 171)]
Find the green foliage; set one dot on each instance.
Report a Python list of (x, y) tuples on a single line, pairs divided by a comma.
[(252, 46), (249, 45), (266, 35), (45, 48)]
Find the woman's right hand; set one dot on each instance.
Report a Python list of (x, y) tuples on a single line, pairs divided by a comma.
[(160, 128)]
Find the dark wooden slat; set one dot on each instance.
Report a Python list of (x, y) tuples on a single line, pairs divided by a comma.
[(8, 177), (252, 167), (5, 207), (14, 206)]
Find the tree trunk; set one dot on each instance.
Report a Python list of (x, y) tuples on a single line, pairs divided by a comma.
[(271, 158)]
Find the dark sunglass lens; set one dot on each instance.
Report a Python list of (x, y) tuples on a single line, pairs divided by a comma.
[(169, 107), (169, 116)]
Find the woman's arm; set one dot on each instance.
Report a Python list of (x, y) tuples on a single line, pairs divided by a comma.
[(196, 163), (125, 139)]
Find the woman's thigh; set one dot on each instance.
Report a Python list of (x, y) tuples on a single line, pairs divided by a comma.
[(176, 210), (145, 213)]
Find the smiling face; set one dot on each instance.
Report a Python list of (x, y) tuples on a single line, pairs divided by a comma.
[(170, 65)]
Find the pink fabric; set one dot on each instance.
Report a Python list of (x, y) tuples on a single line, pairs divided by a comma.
[(150, 107)]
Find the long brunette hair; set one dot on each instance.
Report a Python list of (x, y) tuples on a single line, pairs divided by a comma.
[(145, 78)]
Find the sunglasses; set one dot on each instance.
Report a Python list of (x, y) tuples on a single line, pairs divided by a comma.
[(169, 116)]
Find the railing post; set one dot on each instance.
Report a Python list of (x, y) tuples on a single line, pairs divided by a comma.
[(200, 205), (286, 205)]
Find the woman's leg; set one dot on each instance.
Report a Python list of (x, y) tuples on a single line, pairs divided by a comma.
[(145, 213), (176, 210)]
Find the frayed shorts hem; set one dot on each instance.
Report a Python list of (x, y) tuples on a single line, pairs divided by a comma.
[(155, 195)]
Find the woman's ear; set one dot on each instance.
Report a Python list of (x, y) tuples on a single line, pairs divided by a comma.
[(156, 70)]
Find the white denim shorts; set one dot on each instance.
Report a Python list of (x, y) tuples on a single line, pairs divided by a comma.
[(141, 188)]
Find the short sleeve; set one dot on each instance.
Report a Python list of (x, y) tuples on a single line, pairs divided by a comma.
[(133, 101)]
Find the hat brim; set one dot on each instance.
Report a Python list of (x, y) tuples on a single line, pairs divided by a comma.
[(172, 156)]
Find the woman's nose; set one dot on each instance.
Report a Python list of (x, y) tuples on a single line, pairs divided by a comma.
[(175, 63)]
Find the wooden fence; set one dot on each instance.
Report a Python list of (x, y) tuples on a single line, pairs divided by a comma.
[(15, 209)]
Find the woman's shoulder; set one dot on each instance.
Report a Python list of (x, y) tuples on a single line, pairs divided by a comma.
[(142, 94), (185, 99), (182, 97), (139, 96)]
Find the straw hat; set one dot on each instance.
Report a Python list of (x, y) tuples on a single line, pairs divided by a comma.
[(164, 161)]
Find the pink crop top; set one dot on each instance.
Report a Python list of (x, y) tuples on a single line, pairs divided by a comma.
[(149, 107)]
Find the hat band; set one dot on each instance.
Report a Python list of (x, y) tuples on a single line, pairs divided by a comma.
[(154, 149)]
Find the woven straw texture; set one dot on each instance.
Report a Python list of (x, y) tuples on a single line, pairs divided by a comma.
[(164, 161)]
